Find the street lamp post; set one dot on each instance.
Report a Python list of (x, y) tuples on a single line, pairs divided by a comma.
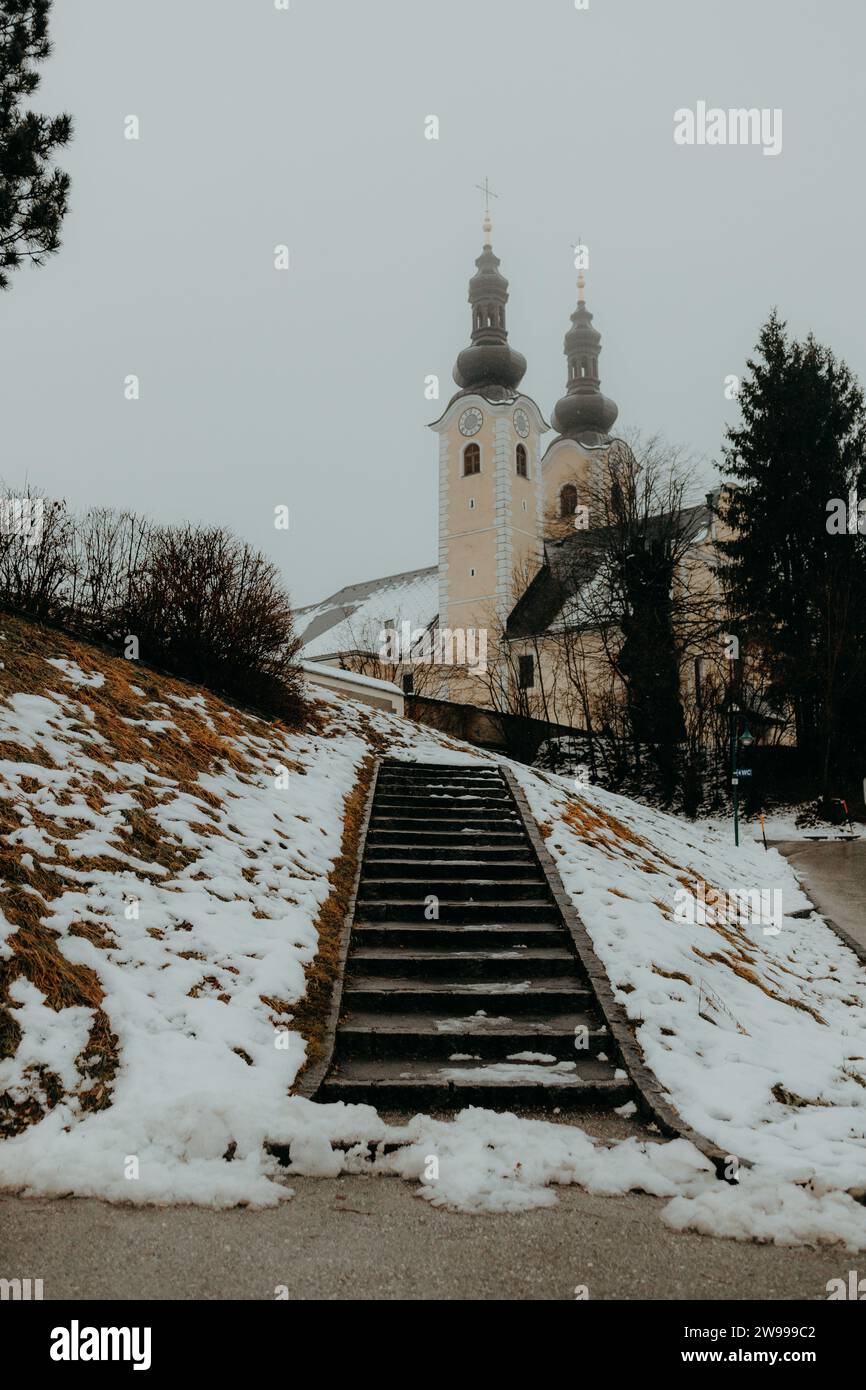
[(746, 740), (735, 781)]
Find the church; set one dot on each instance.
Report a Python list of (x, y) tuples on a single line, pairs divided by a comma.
[(515, 513)]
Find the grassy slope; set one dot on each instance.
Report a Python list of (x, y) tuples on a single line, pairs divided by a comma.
[(130, 784)]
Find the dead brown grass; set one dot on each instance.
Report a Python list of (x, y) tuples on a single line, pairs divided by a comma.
[(752, 978), (672, 974), (27, 889), (311, 1014)]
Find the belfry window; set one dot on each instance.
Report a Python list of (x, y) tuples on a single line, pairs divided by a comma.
[(521, 461), (568, 500), (471, 460)]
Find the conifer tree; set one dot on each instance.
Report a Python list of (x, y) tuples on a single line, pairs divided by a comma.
[(33, 194), (798, 588)]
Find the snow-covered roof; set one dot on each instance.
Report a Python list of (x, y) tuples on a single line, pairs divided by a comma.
[(349, 678), (354, 618)]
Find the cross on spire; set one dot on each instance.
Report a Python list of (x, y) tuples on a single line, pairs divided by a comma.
[(488, 193)]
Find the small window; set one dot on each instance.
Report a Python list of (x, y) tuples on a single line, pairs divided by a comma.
[(471, 460), (521, 461), (524, 504), (526, 672), (472, 504), (472, 572), (568, 500), (699, 682), (409, 683)]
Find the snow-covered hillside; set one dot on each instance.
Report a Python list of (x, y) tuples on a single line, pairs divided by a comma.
[(170, 870)]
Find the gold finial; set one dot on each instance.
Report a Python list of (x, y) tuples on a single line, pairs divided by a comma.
[(581, 260), (487, 224)]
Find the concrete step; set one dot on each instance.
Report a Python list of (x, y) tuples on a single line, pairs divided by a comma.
[(447, 825), (400, 786), (430, 963), (426, 868), (463, 890), (424, 1035), (446, 937), (451, 911), (492, 780), (431, 771), (464, 839), (448, 805), (457, 1084), (459, 996), (444, 810), (430, 779), (514, 853), (476, 786)]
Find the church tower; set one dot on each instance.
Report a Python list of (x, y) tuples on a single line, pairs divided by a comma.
[(573, 463), (490, 489)]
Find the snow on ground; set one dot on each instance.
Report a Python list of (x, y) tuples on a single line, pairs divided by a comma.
[(189, 897), (181, 852), (782, 825), (754, 1021)]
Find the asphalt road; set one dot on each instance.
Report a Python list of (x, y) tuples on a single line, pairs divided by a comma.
[(371, 1238), (833, 874)]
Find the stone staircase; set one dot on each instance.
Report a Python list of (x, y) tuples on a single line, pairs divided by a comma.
[(460, 962)]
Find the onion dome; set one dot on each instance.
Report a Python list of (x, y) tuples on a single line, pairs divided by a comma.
[(489, 366), (584, 413)]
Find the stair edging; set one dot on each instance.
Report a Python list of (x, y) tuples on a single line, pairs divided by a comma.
[(315, 1075), (648, 1087)]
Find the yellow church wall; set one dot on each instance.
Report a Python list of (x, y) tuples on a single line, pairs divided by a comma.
[(566, 462), (484, 525)]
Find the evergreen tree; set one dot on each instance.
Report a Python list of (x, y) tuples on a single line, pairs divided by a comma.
[(33, 195), (798, 588)]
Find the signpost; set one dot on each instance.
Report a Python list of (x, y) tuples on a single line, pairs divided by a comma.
[(746, 740)]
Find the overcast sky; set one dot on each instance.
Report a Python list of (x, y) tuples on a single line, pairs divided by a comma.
[(306, 387)]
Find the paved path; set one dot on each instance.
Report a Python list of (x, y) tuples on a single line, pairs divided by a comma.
[(371, 1238), (833, 874)]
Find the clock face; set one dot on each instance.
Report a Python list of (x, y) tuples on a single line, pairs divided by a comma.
[(521, 423), (471, 421)]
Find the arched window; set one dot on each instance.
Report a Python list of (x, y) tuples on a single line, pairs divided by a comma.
[(471, 460), (521, 461), (568, 500)]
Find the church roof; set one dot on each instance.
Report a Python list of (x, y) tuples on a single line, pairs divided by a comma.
[(561, 590), (352, 619)]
